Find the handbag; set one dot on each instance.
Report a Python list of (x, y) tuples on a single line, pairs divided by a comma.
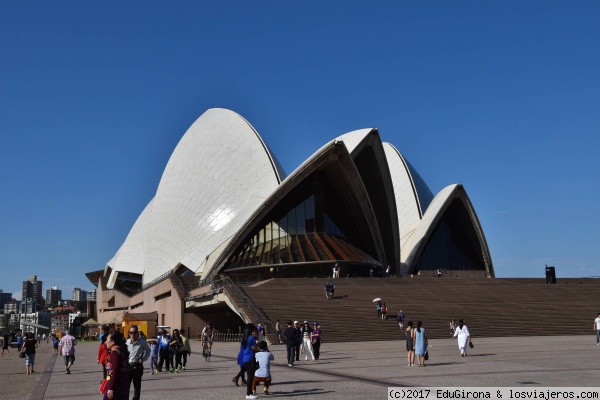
[(426, 355), (103, 385), (471, 345), (22, 354)]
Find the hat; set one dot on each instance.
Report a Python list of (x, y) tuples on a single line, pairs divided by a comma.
[(295, 322), (289, 322), (306, 322), (315, 323)]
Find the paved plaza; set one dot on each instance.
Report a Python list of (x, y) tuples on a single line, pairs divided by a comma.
[(345, 370)]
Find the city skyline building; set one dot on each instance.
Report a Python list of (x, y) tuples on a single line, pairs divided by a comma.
[(11, 306), (4, 298), (79, 294), (53, 296), (31, 297), (91, 295)]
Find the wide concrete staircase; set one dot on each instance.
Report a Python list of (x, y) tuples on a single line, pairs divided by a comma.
[(490, 307)]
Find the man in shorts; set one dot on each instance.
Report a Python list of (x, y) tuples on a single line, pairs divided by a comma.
[(208, 334)]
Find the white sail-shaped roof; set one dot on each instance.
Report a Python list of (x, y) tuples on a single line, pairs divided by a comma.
[(131, 257), (407, 199), (219, 173)]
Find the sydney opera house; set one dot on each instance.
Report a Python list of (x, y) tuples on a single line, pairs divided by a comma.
[(225, 208)]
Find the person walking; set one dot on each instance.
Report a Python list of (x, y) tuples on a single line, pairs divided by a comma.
[(464, 337), (278, 330), (185, 349), (153, 344), (290, 343), (29, 347), (163, 351), (19, 342), (378, 308), (103, 355), (261, 332), (328, 290), (248, 348), (400, 319), (5, 345), (66, 347), (175, 351), (241, 374), (298, 340), (139, 351), (596, 328), (307, 341), (383, 311), (410, 344), (55, 342), (117, 386), (316, 339), (420, 339)]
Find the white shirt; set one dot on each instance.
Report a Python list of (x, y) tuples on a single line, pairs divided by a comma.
[(597, 322)]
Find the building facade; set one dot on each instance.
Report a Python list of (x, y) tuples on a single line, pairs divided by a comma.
[(32, 299), (356, 202), (53, 296), (79, 295)]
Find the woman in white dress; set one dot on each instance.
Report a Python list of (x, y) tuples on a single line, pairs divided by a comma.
[(462, 333)]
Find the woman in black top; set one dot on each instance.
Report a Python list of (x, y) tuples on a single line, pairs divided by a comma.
[(29, 347), (410, 344)]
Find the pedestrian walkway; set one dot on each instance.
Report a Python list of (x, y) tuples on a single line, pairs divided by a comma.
[(345, 370)]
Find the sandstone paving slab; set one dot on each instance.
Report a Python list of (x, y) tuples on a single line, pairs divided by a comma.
[(345, 371)]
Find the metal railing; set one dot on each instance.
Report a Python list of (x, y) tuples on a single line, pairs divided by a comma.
[(225, 337), (246, 306)]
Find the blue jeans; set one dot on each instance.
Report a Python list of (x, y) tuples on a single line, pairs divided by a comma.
[(597, 336)]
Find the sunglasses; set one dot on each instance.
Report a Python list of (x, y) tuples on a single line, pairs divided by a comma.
[(132, 333)]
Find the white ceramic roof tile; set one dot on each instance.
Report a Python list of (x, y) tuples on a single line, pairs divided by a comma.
[(406, 203), (353, 139), (218, 174)]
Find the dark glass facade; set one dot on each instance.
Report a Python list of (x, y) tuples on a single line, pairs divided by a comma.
[(454, 244), (305, 237), (128, 283)]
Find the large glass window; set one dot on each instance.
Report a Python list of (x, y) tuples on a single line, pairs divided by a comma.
[(453, 244), (295, 238)]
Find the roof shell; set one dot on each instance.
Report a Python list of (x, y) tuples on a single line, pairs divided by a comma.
[(218, 174)]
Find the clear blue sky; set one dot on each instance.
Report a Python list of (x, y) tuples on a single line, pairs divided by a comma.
[(501, 96)]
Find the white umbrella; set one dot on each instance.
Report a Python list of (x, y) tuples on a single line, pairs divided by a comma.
[(376, 299)]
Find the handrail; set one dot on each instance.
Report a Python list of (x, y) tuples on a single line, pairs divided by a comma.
[(246, 304), (155, 281)]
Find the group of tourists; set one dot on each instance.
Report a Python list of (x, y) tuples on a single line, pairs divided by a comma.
[(254, 356), (302, 340), (27, 345), (417, 343), (123, 359), (170, 350)]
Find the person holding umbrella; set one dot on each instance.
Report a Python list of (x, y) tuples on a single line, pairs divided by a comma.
[(378, 306)]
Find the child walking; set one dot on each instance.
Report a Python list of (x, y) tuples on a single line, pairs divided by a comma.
[(153, 343), (263, 373)]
